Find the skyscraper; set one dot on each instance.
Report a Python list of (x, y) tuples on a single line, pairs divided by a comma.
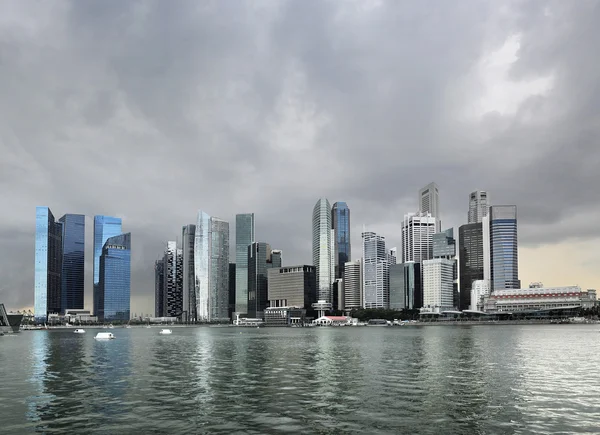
[(375, 271), (397, 294), (48, 264), (73, 261), (321, 248), (504, 247), (173, 280), (159, 288), (352, 285), (478, 206), (417, 237), (104, 228), (340, 217), (471, 259), (438, 284), (429, 202), (114, 288), (188, 233), (444, 247), (260, 259), (231, 307), (244, 237), (211, 265)]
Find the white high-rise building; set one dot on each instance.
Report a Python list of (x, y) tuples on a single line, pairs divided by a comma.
[(479, 289), (322, 253), (352, 285), (376, 290), (429, 202), (438, 285), (478, 206), (417, 237), (211, 266)]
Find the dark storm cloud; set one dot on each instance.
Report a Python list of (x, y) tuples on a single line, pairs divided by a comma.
[(153, 110)]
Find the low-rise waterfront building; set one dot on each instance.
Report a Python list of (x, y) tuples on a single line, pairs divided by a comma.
[(538, 298), (284, 316)]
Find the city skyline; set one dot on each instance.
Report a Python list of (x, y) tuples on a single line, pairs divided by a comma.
[(280, 118)]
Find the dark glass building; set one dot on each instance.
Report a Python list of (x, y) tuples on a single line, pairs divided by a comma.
[(188, 235), (397, 293), (114, 288), (159, 288), (104, 228), (231, 289), (48, 264), (260, 259), (504, 248), (244, 237), (411, 291), (340, 219), (173, 281), (470, 247), (73, 261)]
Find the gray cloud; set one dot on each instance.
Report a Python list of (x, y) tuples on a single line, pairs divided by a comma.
[(153, 110)]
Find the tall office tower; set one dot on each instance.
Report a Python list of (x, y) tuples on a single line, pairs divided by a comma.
[(104, 228), (393, 256), (73, 261), (504, 247), (188, 234), (231, 307), (375, 271), (438, 284), (173, 281), (260, 259), (211, 265), (321, 248), (397, 294), (244, 237), (292, 286), (48, 264), (340, 218), (417, 237), (444, 246), (478, 206), (487, 250), (114, 287), (471, 259), (429, 202), (353, 285), (159, 288), (412, 288)]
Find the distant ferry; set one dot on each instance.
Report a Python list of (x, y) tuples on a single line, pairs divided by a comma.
[(379, 322), (9, 323)]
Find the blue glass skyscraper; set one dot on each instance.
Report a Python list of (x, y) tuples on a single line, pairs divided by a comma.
[(114, 287), (340, 218), (503, 247), (73, 261), (104, 228), (48, 264)]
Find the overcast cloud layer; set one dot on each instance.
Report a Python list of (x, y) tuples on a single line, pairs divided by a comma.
[(153, 110)]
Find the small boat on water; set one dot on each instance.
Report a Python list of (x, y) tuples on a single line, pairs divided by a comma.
[(79, 331), (165, 332), (104, 336)]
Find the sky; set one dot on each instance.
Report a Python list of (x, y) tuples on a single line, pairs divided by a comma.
[(153, 110)]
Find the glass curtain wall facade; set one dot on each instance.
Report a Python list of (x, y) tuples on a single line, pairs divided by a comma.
[(73, 261), (159, 288), (340, 216), (470, 246), (115, 279), (321, 248), (375, 271), (188, 233), (259, 254), (504, 247), (104, 228), (211, 266), (412, 285), (48, 264), (244, 237)]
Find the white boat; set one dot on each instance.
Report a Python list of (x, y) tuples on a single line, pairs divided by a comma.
[(104, 336), (165, 332), (79, 331)]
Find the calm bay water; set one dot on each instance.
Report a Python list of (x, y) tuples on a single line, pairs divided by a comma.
[(436, 379)]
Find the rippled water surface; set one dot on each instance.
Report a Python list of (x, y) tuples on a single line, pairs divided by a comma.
[(436, 379)]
